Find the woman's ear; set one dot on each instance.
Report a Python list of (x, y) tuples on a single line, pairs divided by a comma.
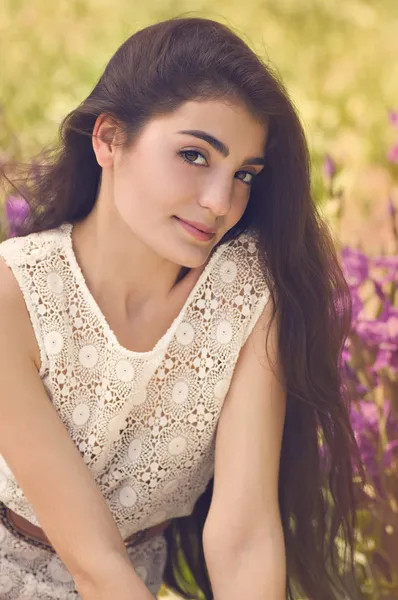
[(104, 140)]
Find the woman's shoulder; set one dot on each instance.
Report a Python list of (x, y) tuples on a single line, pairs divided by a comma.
[(243, 259), (248, 238), (14, 314), (33, 245), (25, 263), (245, 245)]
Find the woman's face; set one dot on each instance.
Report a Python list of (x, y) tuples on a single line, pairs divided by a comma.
[(169, 176)]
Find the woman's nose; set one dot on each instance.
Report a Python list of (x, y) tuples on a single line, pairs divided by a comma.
[(218, 199)]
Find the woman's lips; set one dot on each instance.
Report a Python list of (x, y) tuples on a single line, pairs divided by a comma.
[(196, 233)]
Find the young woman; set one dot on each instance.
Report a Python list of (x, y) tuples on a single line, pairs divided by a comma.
[(172, 317)]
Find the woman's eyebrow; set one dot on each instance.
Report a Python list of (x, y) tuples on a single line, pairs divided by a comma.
[(220, 146)]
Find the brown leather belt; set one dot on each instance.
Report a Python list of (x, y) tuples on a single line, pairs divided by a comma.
[(10, 520)]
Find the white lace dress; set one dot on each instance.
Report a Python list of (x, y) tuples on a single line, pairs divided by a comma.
[(144, 422)]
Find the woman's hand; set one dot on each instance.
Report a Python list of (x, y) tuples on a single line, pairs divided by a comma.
[(118, 582)]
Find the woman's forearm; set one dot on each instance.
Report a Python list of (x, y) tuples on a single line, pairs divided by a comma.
[(257, 571)]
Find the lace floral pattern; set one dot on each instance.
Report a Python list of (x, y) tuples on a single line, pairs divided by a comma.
[(144, 422), (32, 573)]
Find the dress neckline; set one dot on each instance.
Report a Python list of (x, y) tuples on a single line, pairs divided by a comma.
[(164, 341)]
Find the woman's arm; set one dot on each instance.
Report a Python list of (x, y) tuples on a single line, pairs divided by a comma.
[(243, 536), (48, 466)]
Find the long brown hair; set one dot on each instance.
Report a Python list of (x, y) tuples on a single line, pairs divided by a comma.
[(153, 73)]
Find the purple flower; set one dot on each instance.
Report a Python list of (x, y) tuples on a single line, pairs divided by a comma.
[(390, 454), (389, 265), (391, 208), (366, 418), (389, 262), (392, 330), (361, 389), (365, 422), (17, 209), (355, 265), (371, 331), (392, 154), (390, 317), (357, 304), (346, 355), (382, 332), (393, 118), (387, 358), (329, 167)]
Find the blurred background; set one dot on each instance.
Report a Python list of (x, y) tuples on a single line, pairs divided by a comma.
[(339, 60)]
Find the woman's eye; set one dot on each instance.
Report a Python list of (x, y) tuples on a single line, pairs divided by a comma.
[(246, 173), (184, 153)]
